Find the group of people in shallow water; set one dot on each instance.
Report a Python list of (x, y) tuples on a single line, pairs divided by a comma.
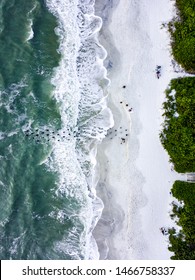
[(42, 135), (46, 134)]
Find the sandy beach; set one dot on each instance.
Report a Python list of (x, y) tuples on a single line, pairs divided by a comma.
[(135, 173)]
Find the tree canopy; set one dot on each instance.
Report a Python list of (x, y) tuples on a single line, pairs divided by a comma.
[(183, 35)]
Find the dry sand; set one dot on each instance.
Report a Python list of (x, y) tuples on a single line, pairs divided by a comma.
[(135, 176)]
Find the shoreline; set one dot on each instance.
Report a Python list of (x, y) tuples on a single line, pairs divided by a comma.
[(112, 214), (136, 177)]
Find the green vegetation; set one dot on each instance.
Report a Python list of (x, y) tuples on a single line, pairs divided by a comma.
[(183, 35), (178, 133), (183, 243), (178, 138)]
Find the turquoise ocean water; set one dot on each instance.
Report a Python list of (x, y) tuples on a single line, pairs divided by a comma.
[(52, 115)]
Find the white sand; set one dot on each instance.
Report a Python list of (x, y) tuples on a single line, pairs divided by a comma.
[(136, 177)]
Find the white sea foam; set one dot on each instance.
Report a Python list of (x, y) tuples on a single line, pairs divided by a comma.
[(9, 95), (30, 32), (65, 78), (80, 82)]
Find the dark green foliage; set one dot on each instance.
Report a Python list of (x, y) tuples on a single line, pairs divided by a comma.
[(183, 35), (178, 135), (183, 243)]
